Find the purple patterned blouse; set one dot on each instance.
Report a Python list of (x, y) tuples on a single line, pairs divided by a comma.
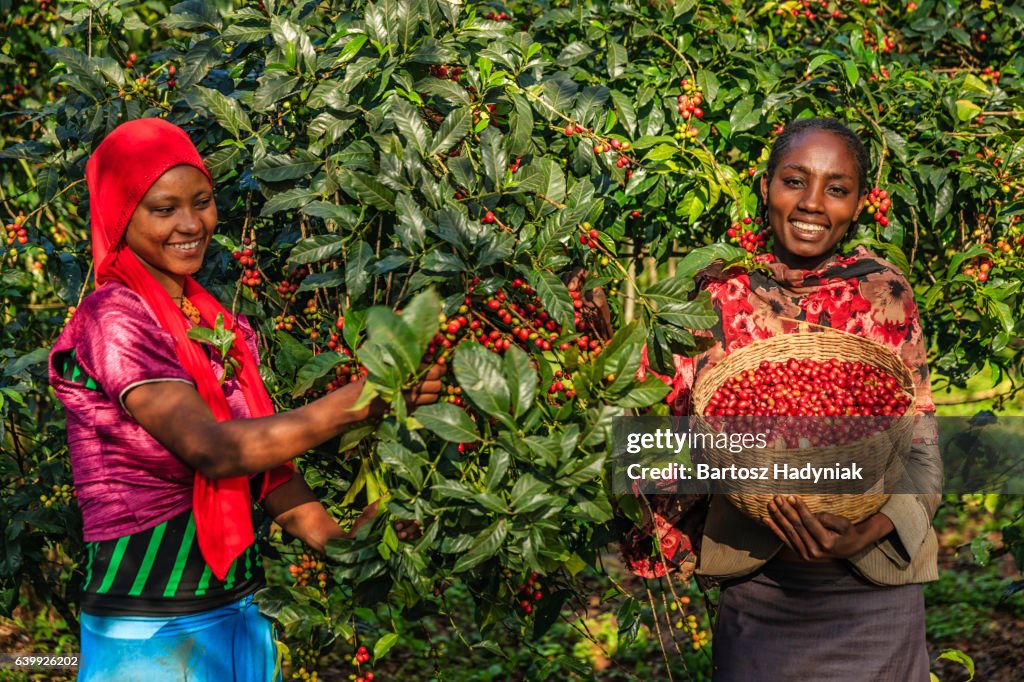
[(126, 480)]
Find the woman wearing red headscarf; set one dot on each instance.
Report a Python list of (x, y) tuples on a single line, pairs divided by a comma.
[(167, 453)]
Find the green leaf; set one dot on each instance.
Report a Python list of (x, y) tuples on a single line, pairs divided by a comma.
[(454, 127), (852, 73), (484, 546), (316, 368), (412, 226), (227, 110), (317, 248), (407, 119), (943, 201), (708, 83), (236, 33), (675, 289), (297, 197), (357, 277), (617, 60), (447, 421), (695, 314), (366, 188), (624, 108), (290, 37), (497, 468), (278, 167), (527, 493), (383, 645), (522, 380), (478, 372), (198, 62), (330, 211), (555, 298), (421, 314), (520, 126), (390, 350), (961, 658), (744, 115), (222, 161), (573, 53), (192, 14), (818, 61), (493, 156), (966, 109), (698, 259), (643, 394)]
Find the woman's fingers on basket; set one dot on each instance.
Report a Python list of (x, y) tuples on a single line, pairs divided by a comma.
[(794, 523)]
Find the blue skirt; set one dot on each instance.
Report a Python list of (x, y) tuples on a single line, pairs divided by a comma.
[(234, 643)]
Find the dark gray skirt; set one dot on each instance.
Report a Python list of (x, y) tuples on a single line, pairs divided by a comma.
[(805, 622)]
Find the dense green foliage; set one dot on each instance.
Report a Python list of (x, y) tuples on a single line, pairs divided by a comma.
[(430, 157)]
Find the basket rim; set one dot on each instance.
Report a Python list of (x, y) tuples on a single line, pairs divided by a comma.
[(821, 334)]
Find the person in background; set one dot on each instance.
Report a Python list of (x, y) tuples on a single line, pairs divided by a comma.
[(809, 596), (169, 449)]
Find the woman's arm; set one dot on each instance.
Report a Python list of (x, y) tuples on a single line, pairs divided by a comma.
[(175, 414)]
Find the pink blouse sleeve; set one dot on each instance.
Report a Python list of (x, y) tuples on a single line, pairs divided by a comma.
[(120, 345)]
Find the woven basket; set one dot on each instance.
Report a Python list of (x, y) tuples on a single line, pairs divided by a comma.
[(880, 452)]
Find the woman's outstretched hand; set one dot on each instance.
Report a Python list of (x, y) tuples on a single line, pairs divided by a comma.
[(407, 530), (822, 536), (595, 303), (425, 392)]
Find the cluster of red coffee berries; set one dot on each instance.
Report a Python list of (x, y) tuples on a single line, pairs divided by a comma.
[(562, 385), (503, 318), (883, 74), (991, 75), (886, 44), (172, 71), (810, 388), (489, 218), (747, 234), (878, 204), (497, 16), (251, 276), (308, 570), (690, 100), (590, 236), (978, 268), (284, 322), (529, 592), (130, 62), (445, 72), (600, 146), (16, 232)]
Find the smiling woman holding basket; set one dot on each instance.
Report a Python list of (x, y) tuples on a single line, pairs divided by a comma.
[(810, 596)]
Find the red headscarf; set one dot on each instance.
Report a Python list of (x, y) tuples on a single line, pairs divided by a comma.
[(119, 173)]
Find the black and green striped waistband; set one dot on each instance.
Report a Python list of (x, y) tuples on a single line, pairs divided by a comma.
[(161, 571)]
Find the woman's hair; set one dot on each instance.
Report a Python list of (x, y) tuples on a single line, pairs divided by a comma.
[(794, 130)]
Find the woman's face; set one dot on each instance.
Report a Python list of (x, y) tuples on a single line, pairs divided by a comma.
[(172, 226), (812, 199)]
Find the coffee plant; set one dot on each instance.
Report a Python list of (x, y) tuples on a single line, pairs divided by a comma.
[(420, 179)]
